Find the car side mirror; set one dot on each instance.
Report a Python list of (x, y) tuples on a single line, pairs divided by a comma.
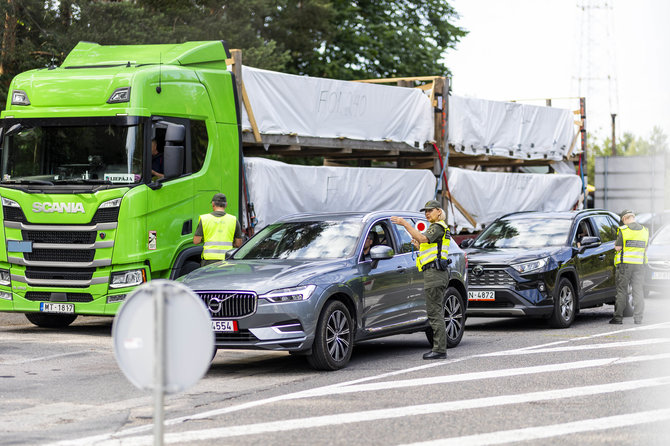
[(230, 253), (381, 252), (589, 242), (467, 243)]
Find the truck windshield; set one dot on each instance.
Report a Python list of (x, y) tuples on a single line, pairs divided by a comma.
[(104, 153)]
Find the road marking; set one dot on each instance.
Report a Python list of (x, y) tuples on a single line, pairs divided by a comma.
[(500, 373), (225, 410), (554, 430), (385, 414), (45, 358), (579, 347)]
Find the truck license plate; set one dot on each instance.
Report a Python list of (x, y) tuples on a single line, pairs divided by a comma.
[(50, 307), (482, 295), (224, 326)]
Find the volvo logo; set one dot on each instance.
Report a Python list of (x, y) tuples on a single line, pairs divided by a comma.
[(214, 305), (477, 270)]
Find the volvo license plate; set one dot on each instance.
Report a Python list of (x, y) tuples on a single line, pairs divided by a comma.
[(482, 295), (224, 326), (51, 307)]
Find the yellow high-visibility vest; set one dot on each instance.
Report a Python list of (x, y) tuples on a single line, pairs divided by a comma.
[(428, 251), (218, 233), (634, 246)]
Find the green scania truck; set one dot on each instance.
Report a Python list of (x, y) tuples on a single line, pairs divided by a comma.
[(85, 218)]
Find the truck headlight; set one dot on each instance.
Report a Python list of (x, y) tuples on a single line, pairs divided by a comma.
[(5, 278), (289, 294), (19, 97), (10, 203), (533, 265), (115, 203), (120, 95), (128, 278)]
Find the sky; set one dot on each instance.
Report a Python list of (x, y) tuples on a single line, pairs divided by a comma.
[(530, 49)]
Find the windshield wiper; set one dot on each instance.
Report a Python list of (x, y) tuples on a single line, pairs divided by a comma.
[(44, 182), (83, 181)]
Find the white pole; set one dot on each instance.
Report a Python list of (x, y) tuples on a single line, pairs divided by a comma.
[(159, 361)]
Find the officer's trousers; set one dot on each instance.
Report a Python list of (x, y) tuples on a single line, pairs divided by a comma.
[(435, 288), (629, 273)]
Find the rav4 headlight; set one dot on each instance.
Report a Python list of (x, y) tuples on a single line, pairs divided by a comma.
[(533, 265), (289, 294)]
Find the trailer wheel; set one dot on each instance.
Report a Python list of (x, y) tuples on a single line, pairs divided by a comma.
[(51, 320)]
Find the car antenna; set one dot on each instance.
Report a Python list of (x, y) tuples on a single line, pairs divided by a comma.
[(160, 63)]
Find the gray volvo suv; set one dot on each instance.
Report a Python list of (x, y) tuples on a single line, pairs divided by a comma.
[(305, 285)]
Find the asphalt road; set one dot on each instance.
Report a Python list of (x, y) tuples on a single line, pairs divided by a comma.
[(511, 381)]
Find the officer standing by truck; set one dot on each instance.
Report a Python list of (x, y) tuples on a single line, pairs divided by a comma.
[(433, 246), (630, 257), (220, 231)]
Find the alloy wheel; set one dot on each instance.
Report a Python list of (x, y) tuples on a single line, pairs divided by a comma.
[(567, 303), (337, 335)]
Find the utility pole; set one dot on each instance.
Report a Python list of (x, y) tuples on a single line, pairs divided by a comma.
[(613, 134)]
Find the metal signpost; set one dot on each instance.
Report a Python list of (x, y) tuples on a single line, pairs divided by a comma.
[(163, 341)]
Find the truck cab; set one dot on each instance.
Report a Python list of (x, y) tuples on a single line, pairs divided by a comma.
[(87, 215)]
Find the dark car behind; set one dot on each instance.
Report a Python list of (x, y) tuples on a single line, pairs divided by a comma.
[(657, 271), (303, 285), (545, 264)]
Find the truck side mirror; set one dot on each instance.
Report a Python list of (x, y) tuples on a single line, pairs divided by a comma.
[(173, 161)]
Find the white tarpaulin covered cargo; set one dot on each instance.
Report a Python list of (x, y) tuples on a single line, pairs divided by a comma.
[(285, 104), (489, 195), (279, 189), (509, 129)]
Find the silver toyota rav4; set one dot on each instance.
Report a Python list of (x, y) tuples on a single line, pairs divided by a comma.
[(305, 284)]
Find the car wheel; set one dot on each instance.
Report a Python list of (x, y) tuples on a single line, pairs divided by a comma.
[(51, 320), (565, 305), (454, 318), (333, 341)]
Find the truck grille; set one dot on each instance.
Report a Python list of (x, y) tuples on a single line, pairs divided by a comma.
[(70, 297), (13, 214), (64, 237), (59, 274), (229, 305), (106, 215), (60, 255), (490, 277)]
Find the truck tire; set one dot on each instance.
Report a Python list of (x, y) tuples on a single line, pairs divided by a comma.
[(334, 339), (51, 320)]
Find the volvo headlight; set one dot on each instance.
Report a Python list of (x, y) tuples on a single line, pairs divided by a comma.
[(533, 265), (128, 278), (289, 294)]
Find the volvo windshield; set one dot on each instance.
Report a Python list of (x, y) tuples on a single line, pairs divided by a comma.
[(313, 240), (524, 233), (90, 151)]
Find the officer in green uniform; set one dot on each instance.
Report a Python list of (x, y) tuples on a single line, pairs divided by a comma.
[(631, 247), (433, 246), (220, 231)]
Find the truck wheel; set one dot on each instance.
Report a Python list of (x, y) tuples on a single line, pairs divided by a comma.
[(454, 318), (565, 305), (187, 267), (51, 320), (333, 342)]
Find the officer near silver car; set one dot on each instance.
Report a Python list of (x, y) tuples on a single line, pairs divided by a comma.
[(433, 246), (631, 246), (220, 231)]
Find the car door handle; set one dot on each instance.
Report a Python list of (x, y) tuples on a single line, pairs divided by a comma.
[(601, 256), (401, 270)]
